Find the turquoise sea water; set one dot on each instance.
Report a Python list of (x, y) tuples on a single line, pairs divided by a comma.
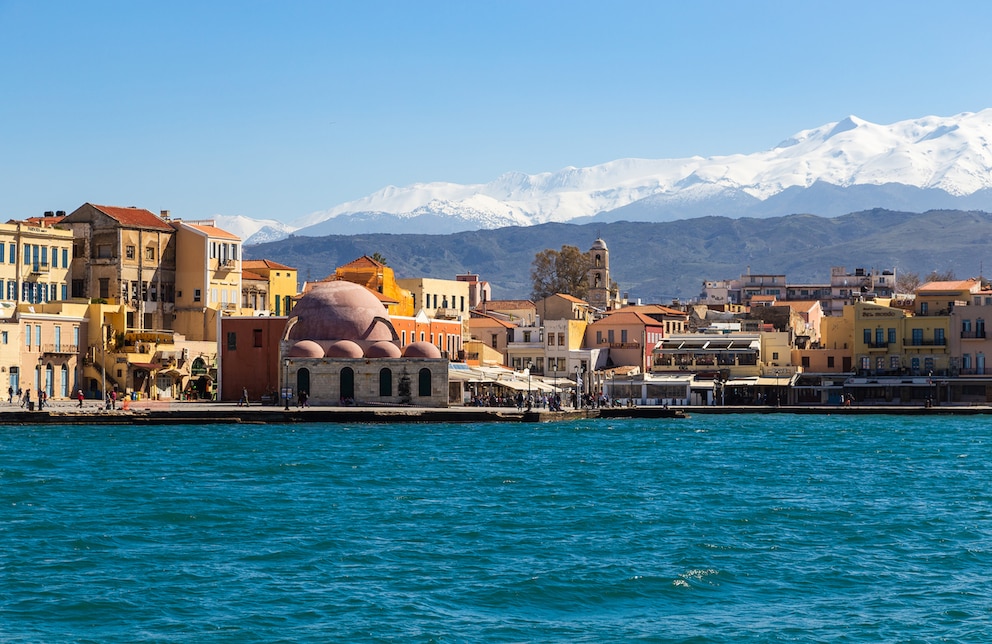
[(711, 529)]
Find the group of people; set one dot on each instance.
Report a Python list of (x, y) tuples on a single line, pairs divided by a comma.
[(24, 397)]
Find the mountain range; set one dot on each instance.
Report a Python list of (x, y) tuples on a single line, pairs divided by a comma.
[(841, 167), (660, 261)]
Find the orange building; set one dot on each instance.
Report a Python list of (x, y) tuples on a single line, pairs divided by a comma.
[(379, 278)]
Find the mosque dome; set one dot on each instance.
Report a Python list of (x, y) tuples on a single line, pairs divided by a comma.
[(383, 350), (340, 310), (344, 349), (306, 349), (421, 350)]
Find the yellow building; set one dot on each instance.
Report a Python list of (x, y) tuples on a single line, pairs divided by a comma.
[(939, 298), (208, 277), (891, 342), (276, 290), (378, 277), (34, 262)]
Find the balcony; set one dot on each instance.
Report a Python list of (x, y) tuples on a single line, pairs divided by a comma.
[(39, 268), (227, 264), (878, 345), (973, 335), (60, 349), (912, 342)]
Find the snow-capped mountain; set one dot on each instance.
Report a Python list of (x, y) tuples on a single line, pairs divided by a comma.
[(253, 231), (931, 162)]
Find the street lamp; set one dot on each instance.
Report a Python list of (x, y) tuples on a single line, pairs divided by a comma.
[(285, 383), (103, 358), (530, 365)]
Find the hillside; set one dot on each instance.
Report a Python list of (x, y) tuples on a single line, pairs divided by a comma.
[(660, 261)]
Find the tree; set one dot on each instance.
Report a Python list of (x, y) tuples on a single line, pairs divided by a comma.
[(377, 256), (561, 271), (907, 282)]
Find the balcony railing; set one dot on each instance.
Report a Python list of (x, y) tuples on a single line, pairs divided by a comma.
[(39, 268), (910, 342), (973, 335), (60, 349)]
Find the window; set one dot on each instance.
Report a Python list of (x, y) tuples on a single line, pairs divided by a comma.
[(12, 256), (623, 335), (3, 337), (103, 251), (805, 361), (551, 339), (526, 336), (104, 287), (938, 337), (892, 336), (830, 362), (924, 308), (129, 252), (196, 295), (150, 253), (865, 362), (385, 382), (65, 258), (879, 336), (424, 383), (495, 341), (609, 336), (561, 339), (599, 337), (232, 341), (37, 335), (257, 337), (867, 336), (917, 337)]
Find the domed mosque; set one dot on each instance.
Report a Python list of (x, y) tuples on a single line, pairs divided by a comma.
[(340, 348)]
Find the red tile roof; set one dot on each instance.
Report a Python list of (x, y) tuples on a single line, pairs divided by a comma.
[(264, 263), (132, 217), (211, 231)]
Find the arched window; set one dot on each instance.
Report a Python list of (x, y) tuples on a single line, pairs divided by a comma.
[(347, 385), (424, 383), (385, 382)]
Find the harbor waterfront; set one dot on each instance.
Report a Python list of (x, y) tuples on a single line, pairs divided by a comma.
[(710, 528), (209, 413)]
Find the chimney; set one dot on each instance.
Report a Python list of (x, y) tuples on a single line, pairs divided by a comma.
[(165, 214)]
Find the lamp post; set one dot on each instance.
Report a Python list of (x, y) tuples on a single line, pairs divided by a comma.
[(530, 365), (41, 377), (285, 383), (103, 358)]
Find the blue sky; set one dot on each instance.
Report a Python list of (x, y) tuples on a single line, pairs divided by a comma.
[(279, 109)]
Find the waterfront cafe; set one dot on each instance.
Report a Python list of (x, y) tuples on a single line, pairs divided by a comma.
[(468, 383)]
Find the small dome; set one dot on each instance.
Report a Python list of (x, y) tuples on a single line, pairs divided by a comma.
[(306, 349), (599, 244), (383, 350), (344, 349), (421, 350)]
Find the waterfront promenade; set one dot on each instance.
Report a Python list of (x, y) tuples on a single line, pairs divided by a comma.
[(201, 412)]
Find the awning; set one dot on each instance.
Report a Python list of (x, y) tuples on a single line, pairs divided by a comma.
[(150, 366), (781, 381)]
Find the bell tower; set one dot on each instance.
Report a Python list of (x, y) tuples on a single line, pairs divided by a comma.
[(598, 276)]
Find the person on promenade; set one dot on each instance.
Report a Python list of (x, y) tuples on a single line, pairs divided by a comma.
[(27, 398), (244, 398), (42, 399), (79, 396), (10, 395)]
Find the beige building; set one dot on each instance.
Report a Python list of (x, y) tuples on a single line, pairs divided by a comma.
[(127, 256), (208, 277)]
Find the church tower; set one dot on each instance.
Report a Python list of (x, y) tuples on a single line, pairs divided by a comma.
[(598, 276)]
